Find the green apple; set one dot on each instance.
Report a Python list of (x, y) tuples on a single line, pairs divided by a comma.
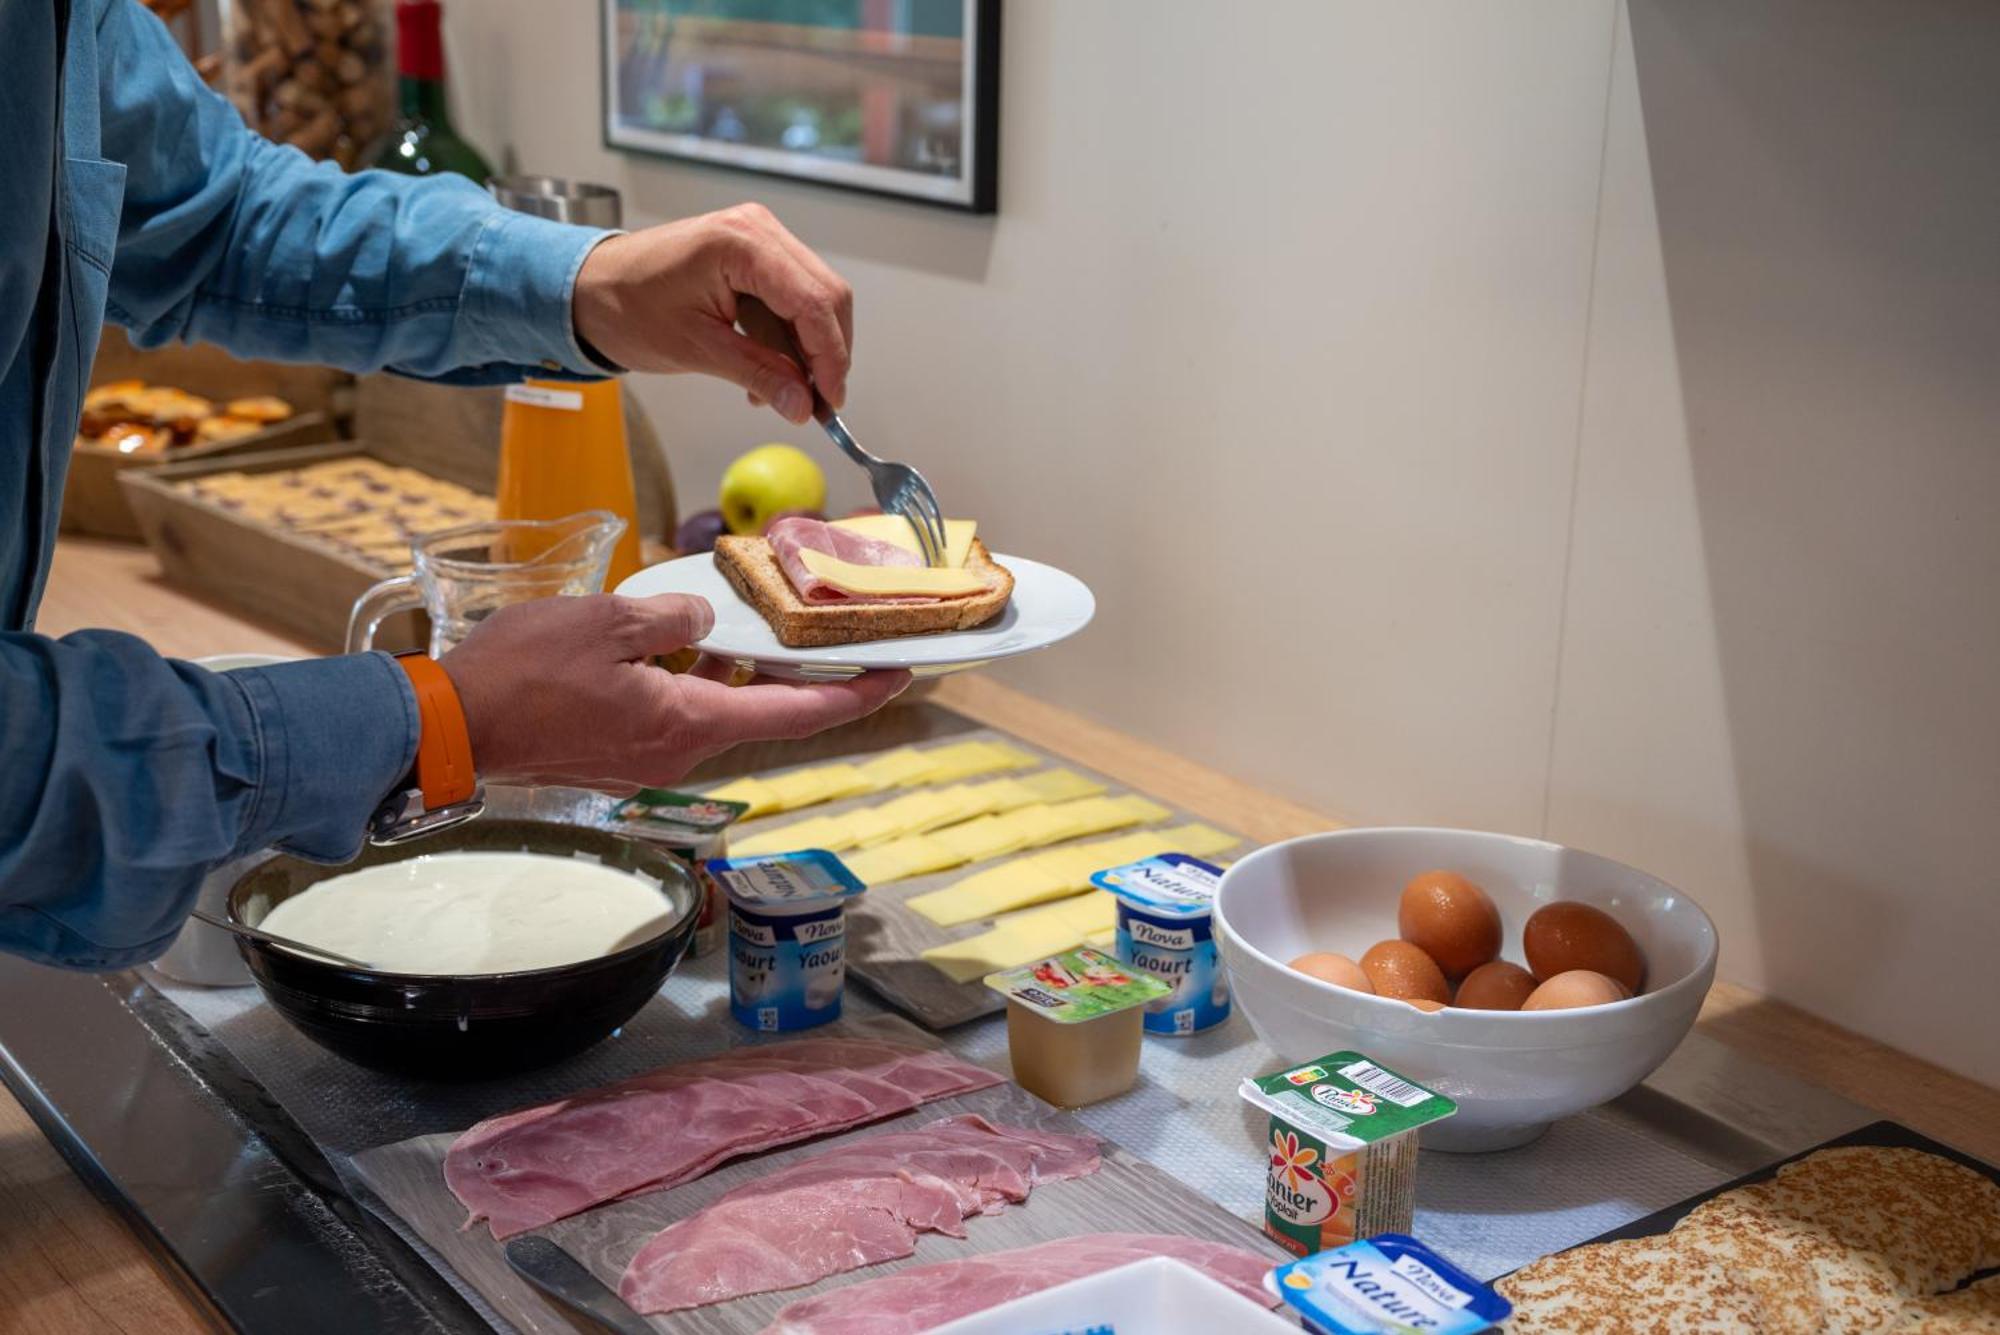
[(767, 481)]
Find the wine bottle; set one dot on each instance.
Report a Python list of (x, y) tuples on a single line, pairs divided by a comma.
[(424, 142)]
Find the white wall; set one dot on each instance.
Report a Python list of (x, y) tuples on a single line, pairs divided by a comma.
[(1349, 351)]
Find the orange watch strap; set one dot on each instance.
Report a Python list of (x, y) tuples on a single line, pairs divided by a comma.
[(444, 745)]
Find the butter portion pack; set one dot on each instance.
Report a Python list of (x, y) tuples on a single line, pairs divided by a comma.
[(1389, 1283)]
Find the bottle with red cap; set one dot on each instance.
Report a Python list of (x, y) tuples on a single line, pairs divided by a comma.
[(424, 142)]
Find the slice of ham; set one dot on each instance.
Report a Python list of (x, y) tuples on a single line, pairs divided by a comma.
[(854, 1206), (926, 1296), (789, 537), (529, 1168)]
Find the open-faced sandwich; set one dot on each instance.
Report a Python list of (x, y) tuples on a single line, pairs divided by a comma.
[(820, 583)]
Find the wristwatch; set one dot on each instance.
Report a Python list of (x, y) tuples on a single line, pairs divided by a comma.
[(443, 789)]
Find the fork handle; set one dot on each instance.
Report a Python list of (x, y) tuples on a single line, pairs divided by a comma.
[(764, 325)]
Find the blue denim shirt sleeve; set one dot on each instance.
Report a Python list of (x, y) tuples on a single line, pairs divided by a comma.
[(228, 238), (127, 775)]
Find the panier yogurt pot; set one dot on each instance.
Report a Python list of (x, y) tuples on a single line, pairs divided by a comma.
[(787, 937)]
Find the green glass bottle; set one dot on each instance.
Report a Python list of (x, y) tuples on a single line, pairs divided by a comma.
[(424, 142)]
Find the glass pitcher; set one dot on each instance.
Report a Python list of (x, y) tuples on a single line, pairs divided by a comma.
[(463, 575)]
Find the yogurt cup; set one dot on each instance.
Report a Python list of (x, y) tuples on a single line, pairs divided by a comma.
[(696, 830), (787, 937), (1164, 928)]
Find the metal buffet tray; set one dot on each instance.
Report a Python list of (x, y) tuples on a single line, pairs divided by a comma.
[(249, 1214)]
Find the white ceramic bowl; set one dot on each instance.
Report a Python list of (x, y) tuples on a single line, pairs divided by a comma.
[(1511, 1072)]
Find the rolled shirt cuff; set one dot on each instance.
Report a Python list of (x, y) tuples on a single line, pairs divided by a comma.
[(520, 287), (334, 736)]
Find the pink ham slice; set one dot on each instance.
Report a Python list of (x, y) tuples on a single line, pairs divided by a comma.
[(854, 1206), (529, 1168), (927, 1296), (789, 537)]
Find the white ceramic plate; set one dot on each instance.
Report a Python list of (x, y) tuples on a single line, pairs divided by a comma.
[(1048, 607)]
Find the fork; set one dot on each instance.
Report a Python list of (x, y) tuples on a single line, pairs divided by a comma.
[(899, 488)]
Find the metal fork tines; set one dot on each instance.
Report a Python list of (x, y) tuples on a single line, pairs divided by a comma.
[(899, 488)]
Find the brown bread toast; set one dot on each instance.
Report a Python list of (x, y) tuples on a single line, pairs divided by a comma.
[(752, 567)]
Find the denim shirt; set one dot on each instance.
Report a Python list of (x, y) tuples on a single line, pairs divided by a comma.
[(130, 191)]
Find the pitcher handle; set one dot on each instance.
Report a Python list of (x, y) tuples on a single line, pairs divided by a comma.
[(372, 608)]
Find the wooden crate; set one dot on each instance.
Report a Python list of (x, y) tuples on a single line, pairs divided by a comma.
[(277, 577), (93, 501)]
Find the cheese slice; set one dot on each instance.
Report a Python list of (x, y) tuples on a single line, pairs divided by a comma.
[(861, 581), (914, 855), (896, 529), (1057, 873), (1024, 938), (892, 768), (826, 832), (819, 783), (756, 792), (1059, 785)]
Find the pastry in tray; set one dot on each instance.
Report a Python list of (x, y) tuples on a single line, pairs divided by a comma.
[(819, 583), (133, 417), (359, 507), (1851, 1237)]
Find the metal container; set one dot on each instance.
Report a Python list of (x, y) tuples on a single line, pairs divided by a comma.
[(560, 200)]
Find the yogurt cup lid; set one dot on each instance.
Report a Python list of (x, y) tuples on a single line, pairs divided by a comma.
[(1390, 1282), (1077, 986), (1347, 1100), (1172, 885), (798, 882)]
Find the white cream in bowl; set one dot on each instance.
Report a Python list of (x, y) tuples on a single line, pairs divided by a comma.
[(475, 913)]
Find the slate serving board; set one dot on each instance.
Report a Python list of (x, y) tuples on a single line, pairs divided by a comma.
[(886, 939), (1888, 1134), (1126, 1194)]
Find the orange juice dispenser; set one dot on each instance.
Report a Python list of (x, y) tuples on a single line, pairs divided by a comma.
[(562, 442)]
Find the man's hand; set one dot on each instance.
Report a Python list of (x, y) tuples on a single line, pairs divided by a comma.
[(559, 691), (665, 300)]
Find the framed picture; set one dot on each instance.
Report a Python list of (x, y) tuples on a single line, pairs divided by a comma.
[(895, 97)]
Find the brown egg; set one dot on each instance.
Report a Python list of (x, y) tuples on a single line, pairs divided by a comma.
[(1563, 936), (1329, 967), (1451, 920), (1398, 969), (1577, 987), (1496, 986), (1423, 1005)]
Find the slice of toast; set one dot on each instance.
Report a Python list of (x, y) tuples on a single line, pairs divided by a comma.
[(752, 567)]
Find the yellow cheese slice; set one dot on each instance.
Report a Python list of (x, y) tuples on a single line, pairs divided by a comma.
[(826, 832), (819, 783), (1056, 873), (756, 792), (891, 581), (913, 855), (1059, 785), (894, 528), (891, 768), (967, 760), (1024, 938)]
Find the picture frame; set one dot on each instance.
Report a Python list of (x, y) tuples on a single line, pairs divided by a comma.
[(899, 98)]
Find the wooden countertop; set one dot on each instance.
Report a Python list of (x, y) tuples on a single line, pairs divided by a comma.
[(67, 1263)]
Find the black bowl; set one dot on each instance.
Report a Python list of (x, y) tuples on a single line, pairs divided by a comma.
[(467, 1026)]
